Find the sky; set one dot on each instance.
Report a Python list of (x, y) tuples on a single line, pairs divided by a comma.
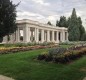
[(50, 10)]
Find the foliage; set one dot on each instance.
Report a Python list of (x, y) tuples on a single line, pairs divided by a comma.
[(75, 29), (83, 37), (7, 17), (57, 23), (56, 51), (46, 43), (27, 44), (41, 57), (81, 28), (49, 23), (74, 25), (63, 55), (1, 39), (13, 48), (62, 22), (74, 32)]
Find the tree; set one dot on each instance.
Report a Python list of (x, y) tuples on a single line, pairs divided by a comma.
[(57, 23), (73, 29), (49, 23), (68, 22), (82, 33), (84, 37), (81, 28), (7, 17), (74, 25), (62, 22)]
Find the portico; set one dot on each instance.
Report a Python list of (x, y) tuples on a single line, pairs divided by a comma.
[(33, 31)]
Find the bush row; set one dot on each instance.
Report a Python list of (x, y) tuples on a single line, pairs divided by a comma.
[(73, 43), (26, 44)]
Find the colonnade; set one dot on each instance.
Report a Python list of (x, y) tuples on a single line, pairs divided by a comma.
[(29, 34), (35, 33)]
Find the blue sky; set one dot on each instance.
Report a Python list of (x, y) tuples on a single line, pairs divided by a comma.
[(49, 10)]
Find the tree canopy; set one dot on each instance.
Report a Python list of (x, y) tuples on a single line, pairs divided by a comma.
[(74, 33), (75, 29), (62, 22), (49, 23), (7, 17), (74, 25)]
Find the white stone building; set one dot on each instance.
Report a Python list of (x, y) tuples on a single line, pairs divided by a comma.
[(33, 31)]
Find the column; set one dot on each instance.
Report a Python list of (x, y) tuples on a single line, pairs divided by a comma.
[(14, 36), (17, 35), (48, 36), (57, 37), (11, 38), (5, 39), (67, 37), (42, 35), (37, 36), (63, 36), (53, 36), (26, 34)]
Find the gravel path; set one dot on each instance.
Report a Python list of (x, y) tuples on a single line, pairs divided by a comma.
[(5, 78)]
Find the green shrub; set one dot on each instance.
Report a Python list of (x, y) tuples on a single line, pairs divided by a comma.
[(20, 45), (48, 58), (41, 57), (46, 43), (57, 51)]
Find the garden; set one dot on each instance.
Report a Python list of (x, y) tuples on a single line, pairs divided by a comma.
[(13, 48), (66, 61), (64, 54)]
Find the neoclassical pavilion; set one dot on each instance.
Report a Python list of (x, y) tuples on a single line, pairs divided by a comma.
[(33, 31)]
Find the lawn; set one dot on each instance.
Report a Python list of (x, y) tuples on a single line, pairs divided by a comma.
[(65, 46), (23, 66)]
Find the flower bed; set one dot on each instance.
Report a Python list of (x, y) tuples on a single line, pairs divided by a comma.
[(5, 50), (61, 55)]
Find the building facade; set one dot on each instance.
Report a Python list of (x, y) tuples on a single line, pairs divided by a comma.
[(33, 31)]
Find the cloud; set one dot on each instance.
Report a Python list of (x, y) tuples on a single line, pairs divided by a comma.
[(29, 15), (41, 2), (50, 10)]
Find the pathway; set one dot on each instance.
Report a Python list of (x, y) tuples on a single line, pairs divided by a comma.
[(5, 78)]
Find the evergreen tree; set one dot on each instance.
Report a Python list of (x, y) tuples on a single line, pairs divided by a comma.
[(49, 23), (7, 17), (57, 23), (68, 22), (74, 32), (82, 33), (81, 28), (84, 37), (62, 22), (74, 25)]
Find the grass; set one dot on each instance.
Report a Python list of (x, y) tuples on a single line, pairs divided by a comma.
[(23, 66), (65, 46)]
